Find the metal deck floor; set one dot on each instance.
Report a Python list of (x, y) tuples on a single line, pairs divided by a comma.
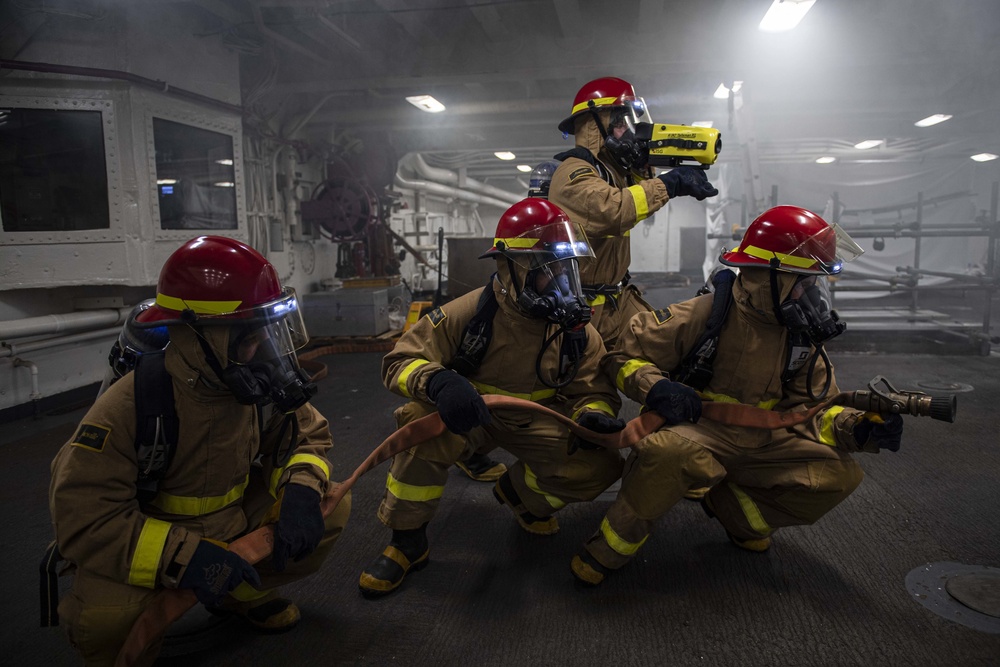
[(830, 594)]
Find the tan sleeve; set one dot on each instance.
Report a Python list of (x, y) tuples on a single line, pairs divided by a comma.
[(590, 389), (308, 463)]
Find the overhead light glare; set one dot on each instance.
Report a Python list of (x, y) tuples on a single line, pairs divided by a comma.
[(166, 181), (721, 92), (426, 103), (226, 161), (524, 168), (933, 120), (983, 157), (702, 123), (868, 143), (826, 159), (784, 15), (505, 155)]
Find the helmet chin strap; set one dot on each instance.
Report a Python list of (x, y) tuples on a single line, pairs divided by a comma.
[(592, 108), (775, 290)]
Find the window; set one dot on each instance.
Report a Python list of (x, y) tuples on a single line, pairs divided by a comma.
[(195, 178), (53, 175)]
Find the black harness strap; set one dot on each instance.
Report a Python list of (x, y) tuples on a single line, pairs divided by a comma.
[(696, 369), (477, 335), (156, 423)]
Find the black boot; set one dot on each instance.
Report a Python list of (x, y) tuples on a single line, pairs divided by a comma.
[(505, 494), (407, 551), (481, 467)]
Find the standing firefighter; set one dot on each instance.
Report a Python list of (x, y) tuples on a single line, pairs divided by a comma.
[(605, 185), (525, 335), (198, 445), (768, 353)]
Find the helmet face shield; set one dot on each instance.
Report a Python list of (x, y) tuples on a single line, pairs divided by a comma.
[(826, 251), (554, 241), (628, 117), (266, 332)]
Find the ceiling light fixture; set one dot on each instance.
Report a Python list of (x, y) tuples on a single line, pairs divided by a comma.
[(166, 181), (721, 93), (826, 159), (868, 143), (225, 161), (933, 120), (983, 157), (426, 103), (524, 168), (224, 184), (505, 155), (784, 15)]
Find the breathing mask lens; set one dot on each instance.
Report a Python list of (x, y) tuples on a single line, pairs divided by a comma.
[(553, 292), (808, 311)]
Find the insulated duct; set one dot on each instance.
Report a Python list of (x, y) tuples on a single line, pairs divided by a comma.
[(415, 163), (450, 192)]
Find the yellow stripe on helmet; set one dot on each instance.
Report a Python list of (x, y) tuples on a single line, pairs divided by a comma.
[(599, 102), (200, 307), (518, 242), (790, 260)]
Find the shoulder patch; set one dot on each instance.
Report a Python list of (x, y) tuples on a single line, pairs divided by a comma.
[(662, 315), (582, 171), (436, 316), (91, 437)]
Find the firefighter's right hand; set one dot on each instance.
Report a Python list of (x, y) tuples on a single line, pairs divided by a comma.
[(882, 433), (214, 571), (687, 181), (675, 402), (459, 404)]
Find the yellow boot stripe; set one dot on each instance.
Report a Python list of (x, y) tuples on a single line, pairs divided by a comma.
[(420, 494), (397, 557), (531, 479), (751, 511), (615, 541)]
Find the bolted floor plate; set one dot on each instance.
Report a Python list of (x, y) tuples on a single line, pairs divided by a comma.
[(966, 594)]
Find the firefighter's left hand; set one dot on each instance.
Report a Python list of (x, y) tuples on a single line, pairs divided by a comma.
[(300, 525), (597, 422), (883, 433)]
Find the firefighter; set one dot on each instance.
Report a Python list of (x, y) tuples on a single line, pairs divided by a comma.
[(245, 448), (770, 355), (605, 185), (526, 335)]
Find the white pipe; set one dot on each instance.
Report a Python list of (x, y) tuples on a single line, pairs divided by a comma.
[(35, 394), (53, 324), (415, 163), (446, 191), (12, 350)]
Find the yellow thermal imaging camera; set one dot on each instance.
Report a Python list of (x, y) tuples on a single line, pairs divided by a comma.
[(673, 145)]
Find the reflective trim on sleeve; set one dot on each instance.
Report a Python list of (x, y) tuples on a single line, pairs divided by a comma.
[(194, 506), (826, 435), (148, 552), (596, 405), (420, 494), (751, 511), (722, 398), (616, 542), (628, 369), (641, 205), (413, 365), (310, 459), (531, 479), (596, 301), (536, 396)]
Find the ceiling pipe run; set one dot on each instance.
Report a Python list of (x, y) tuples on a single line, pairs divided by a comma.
[(448, 192), (54, 324), (415, 163)]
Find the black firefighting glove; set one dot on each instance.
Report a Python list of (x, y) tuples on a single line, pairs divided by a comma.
[(214, 571), (459, 404), (595, 421), (688, 181), (884, 433), (674, 401), (300, 525)]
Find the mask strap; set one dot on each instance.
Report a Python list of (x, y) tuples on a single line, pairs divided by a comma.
[(775, 293), (597, 119)]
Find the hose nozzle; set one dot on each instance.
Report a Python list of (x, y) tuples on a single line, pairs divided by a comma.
[(889, 400)]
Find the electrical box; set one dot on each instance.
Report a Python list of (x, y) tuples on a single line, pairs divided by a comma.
[(346, 312)]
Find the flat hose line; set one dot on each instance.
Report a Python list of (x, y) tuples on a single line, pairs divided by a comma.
[(253, 547)]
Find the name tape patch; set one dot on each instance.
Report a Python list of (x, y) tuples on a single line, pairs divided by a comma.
[(577, 173), (91, 437)]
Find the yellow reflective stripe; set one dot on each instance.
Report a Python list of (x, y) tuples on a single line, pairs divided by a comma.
[(597, 300), (414, 365), (722, 398), (615, 541), (628, 369), (533, 396), (641, 205), (791, 260), (247, 593), (628, 232), (148, 551), (531, 479), (751, 511), (420, 494), (826, 425), (516, 242), (598, 102), (310, 459), (201, 307), (194, 506), (596, 405)]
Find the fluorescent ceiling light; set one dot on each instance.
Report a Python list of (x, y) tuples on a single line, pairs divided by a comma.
[(166, 181), (524, 168), (826, 159), (702, 123), (224, 185), (505, 155), (721, 92), (983, 157), (425, 103), (226, 161), (784, 15), (933, 120), (868, 143)]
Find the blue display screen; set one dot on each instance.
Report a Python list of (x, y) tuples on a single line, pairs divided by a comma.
[(166, 189)]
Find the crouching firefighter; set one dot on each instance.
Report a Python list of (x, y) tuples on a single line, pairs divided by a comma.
[(200, 444), (525, 334), (757, 340)]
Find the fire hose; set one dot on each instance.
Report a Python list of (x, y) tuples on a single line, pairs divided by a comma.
[(880, 397)]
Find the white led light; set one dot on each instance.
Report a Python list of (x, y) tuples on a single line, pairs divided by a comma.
[(425, 103), (505, 155), (784, 15), (868, 143), (826, 159), (983, 157), (933, 120), (524, 168)]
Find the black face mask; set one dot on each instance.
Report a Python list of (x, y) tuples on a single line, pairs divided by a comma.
[(628, 151), (556, 303), (281, 382), (812, 315)]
